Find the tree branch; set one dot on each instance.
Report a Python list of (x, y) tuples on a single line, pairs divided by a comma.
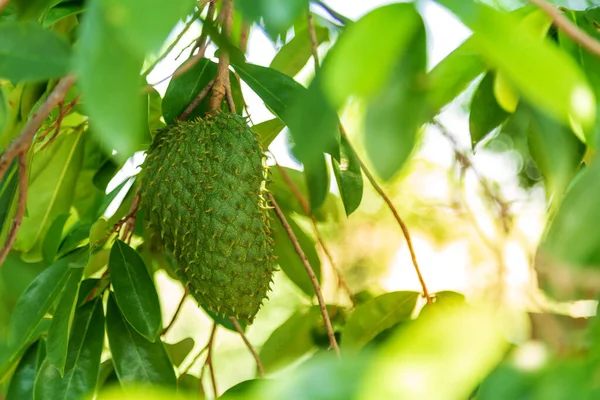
[(177, 311), (568, 27), (219, 89), (196, 102), (22, 142), (392, 208), (21, 207), (209, 363), (313, 40), (311, 274), (236, 324)]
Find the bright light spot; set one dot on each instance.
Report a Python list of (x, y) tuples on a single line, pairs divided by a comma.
[(583, 308), (530, 356), (583, 104)]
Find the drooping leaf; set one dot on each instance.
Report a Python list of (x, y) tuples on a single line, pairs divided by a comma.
[(277, 16), (268, 130), (21, 383), (53, 238), (179, 351), (83, 358), (30, 53), (62, 320), (293, 55), (485, 113), (375, 316), (531, 64), (349, 177), (134, 290), (135, 358), (288, 259), (110, 83), (11, 354), (396, 113)]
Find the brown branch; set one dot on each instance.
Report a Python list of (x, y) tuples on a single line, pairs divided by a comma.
[(130, 219), (230, 102), (392, 208), (22, 142), (57, 124), (21, 206), (313, 40), (311, 274), (219, 89), (236, 324), (568, 27), (209, 363), (177, 311), (98, 286), (196, 102), (244, 35), (186, 66)]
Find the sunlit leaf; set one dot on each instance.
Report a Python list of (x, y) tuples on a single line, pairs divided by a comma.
[(268, 130), (294, 54), (179, 351), (485, 113), (349, 177), (276, 15)]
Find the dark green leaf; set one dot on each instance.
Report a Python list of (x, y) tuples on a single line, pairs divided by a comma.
[(83, 358), (395, 114), (277, 16), (104, 175), (53, 238), (178, 351), (241, 389), (134, 290), (8, 188), (349, 177), (110, 82), (62, 320), (317, 180), (30, 53), (10, 354), (78, 236), (268, 130), (294, 54), (21, 383), (135, 358), (191, 384), (288, 259), (375, 316), (485, 113)]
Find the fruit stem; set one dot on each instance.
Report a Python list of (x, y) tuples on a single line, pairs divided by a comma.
[(219, 89)]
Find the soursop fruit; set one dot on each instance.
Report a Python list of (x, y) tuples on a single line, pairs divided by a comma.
[(203, 189)]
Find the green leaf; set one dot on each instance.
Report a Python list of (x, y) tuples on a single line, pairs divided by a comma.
[(453, 74), (428, 348), (33, 9), (21, 383), (241, 389), (62, 11), (83, 358), (395, 114), (277, 16), (145, 34), (38, 298), (268, 130), (485, 113), (30, 53), (289, 342), (135, 358), (53, 238), (62, 320), (10, 355), (530, 63), (222, 320), (110, 83), (134, 290), (8, 188), (367, 52), (293, 55), (375, 316), (288, 259), (179, 351), (349, 177), (52, 178)]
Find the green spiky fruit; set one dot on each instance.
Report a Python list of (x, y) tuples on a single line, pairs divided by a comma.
[(203, 189)]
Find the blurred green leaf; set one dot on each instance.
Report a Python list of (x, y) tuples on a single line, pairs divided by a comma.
[(375, 316), (135, 358), (178, 351), (421, 356), (508, 382), (485, 113), (143, 393), (288, 259), (453, 74), (33, 9), (190, 384), (530, 63), (317, 180), (349, 177), (277, 16), (293, 55), (268, 130), (367, 52), (134, 290), (396, 113), (30, 53), (110, 82), (21, 383), (52, 178), (289, 341), (62, 321), (241, 389), (53, 238), (83, 358), (62, 11), (154, 110)]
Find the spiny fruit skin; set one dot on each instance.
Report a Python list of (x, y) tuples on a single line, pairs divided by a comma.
[(203, 189)]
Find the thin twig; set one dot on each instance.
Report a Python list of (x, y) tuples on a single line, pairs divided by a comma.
[(209, 363), (568, 27), (313, 40), (337, 16), (230, 102), (22, 142), (94, 291), (131, 218), (186, 66), (57, 124), (244, 35), (177, 311), (196, 102), (392, 208), (21, 206), (311, 274), (236, 324), (219, 89)]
